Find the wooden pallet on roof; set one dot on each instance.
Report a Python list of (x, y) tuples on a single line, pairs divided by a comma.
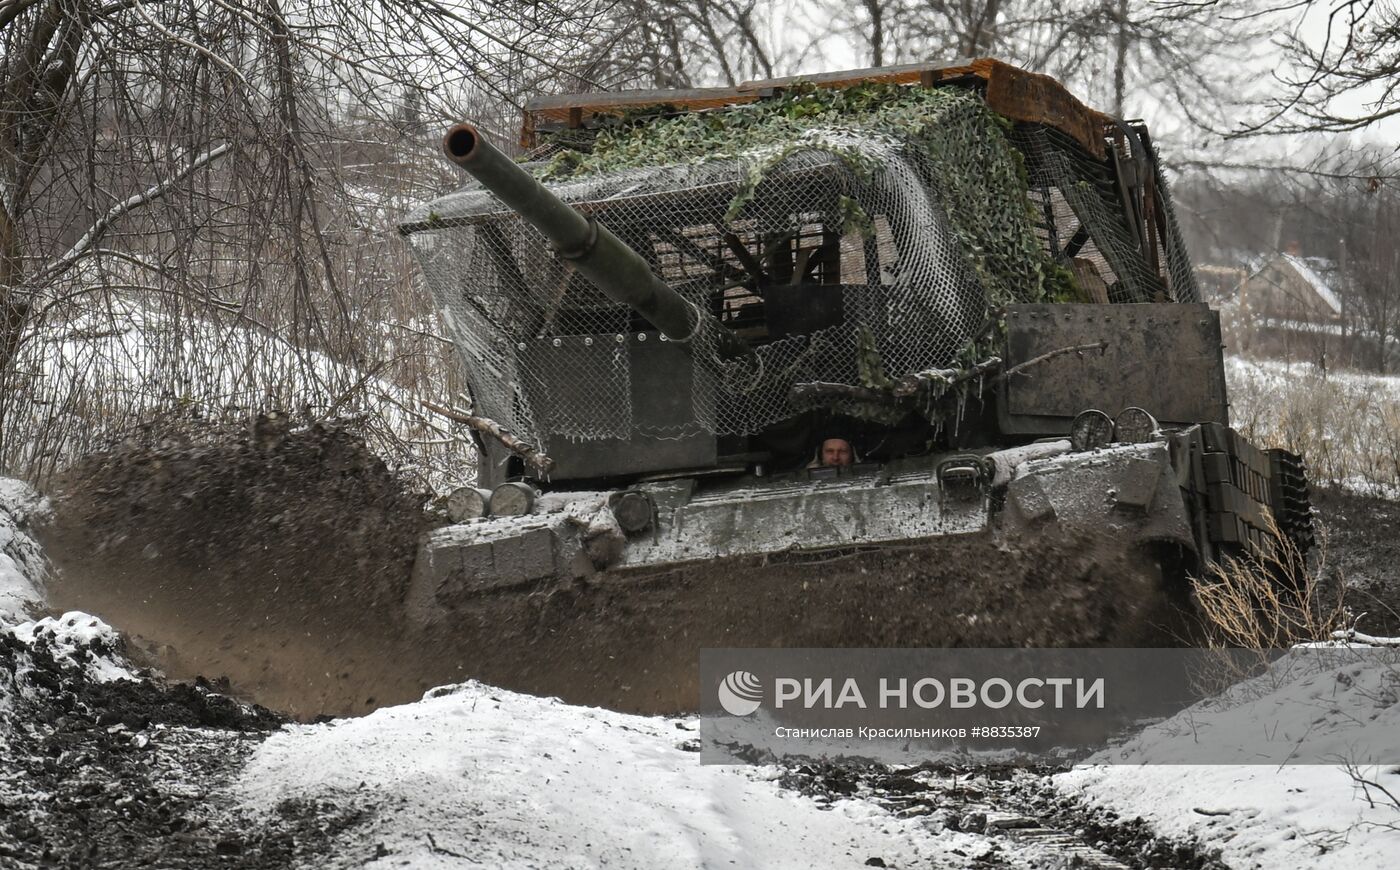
[(1010, 91)]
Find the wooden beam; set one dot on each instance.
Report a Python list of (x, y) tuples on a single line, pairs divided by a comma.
[(1010, 91)]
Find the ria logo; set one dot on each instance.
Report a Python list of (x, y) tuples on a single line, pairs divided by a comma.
[(740, 694)]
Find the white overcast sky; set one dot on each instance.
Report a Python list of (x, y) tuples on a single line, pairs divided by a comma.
[(805, 16)]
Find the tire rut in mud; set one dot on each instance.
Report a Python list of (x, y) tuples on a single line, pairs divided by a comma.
[(1013, 807)]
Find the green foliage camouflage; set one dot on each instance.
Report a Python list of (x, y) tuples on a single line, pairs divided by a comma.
[(979, 176)]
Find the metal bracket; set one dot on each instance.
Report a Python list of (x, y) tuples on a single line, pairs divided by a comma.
[(964, 476), (584, 249)]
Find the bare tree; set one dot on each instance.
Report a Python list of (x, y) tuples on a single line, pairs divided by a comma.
[(691, 43), (196, 200), (1341, 209), (1369, 263), (1341, 74), (1124, 57), (878, 12)]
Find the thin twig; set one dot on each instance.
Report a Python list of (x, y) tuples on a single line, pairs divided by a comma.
[(531, 454), (1017, 369), (432, 844)]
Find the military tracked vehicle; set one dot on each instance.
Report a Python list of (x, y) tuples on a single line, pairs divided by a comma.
[(960, 272)]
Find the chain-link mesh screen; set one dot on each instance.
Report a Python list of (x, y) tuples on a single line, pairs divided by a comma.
[(1083, 221), (848, 242)]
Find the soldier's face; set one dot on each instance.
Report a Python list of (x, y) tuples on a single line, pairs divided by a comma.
[(836, 451)]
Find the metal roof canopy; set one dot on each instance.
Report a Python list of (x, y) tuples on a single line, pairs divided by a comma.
[(1010, 91)]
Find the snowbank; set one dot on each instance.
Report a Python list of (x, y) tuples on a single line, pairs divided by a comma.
[(78, 640), (114, 368), (476, 776), (1269, 815), (75, 640), (22, 565), (78, 644)]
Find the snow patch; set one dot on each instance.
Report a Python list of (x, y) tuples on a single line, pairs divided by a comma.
[(22, 564), (1279, 374), (74, 640), (1263, 812), (77, 639), (1344, 423), (130, 361), (1319, 286), (483, 777)]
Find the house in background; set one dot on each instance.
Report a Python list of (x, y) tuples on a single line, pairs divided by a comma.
[(1290, 288), (1295, 308), (1219, 285)]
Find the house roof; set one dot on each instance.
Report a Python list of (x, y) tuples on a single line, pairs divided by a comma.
[(1309, 275), (1319, 286)]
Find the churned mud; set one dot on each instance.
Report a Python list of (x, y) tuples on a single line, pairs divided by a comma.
[(117, 773), (279, 560), (1012, 806), (274, 559)]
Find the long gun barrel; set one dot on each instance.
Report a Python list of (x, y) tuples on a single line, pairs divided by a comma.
[(614, 268)]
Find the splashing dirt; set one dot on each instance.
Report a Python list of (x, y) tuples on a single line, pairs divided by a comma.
[(279, 560)]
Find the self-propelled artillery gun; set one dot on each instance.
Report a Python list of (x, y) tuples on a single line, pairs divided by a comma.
[(959, 272)]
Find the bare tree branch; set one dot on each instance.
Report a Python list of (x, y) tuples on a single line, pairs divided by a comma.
[(95, 232)]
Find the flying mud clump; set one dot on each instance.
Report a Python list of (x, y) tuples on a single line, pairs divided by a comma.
[(269, 555)]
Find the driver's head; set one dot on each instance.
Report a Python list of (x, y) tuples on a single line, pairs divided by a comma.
[(837, 451)]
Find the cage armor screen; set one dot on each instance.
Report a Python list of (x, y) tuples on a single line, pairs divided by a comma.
[(847, 239)]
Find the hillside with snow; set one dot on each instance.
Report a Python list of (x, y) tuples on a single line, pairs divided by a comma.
[(133, 369)]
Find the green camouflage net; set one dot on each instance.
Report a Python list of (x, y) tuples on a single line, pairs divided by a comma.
[(979, 175)]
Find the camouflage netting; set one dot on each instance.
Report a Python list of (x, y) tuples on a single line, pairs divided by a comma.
[(908, 215)]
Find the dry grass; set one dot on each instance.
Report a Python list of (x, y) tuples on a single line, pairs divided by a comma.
[(1253, 607), (1272, 601), (1345, 425)]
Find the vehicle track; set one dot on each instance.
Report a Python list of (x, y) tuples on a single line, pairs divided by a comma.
[(1025, 822)]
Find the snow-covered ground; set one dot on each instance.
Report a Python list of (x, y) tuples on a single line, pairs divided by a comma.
[(83, 380), (1274, 377), (477, 776), (1345, 424), (474, 776), (1263, 812), (22, 567), (1261, 816), (469, 776)]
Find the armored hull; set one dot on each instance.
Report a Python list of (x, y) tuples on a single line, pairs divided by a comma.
[(971, 276), (1041, 545)]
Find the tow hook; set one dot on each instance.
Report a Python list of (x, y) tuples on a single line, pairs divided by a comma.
[(964, 477)]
